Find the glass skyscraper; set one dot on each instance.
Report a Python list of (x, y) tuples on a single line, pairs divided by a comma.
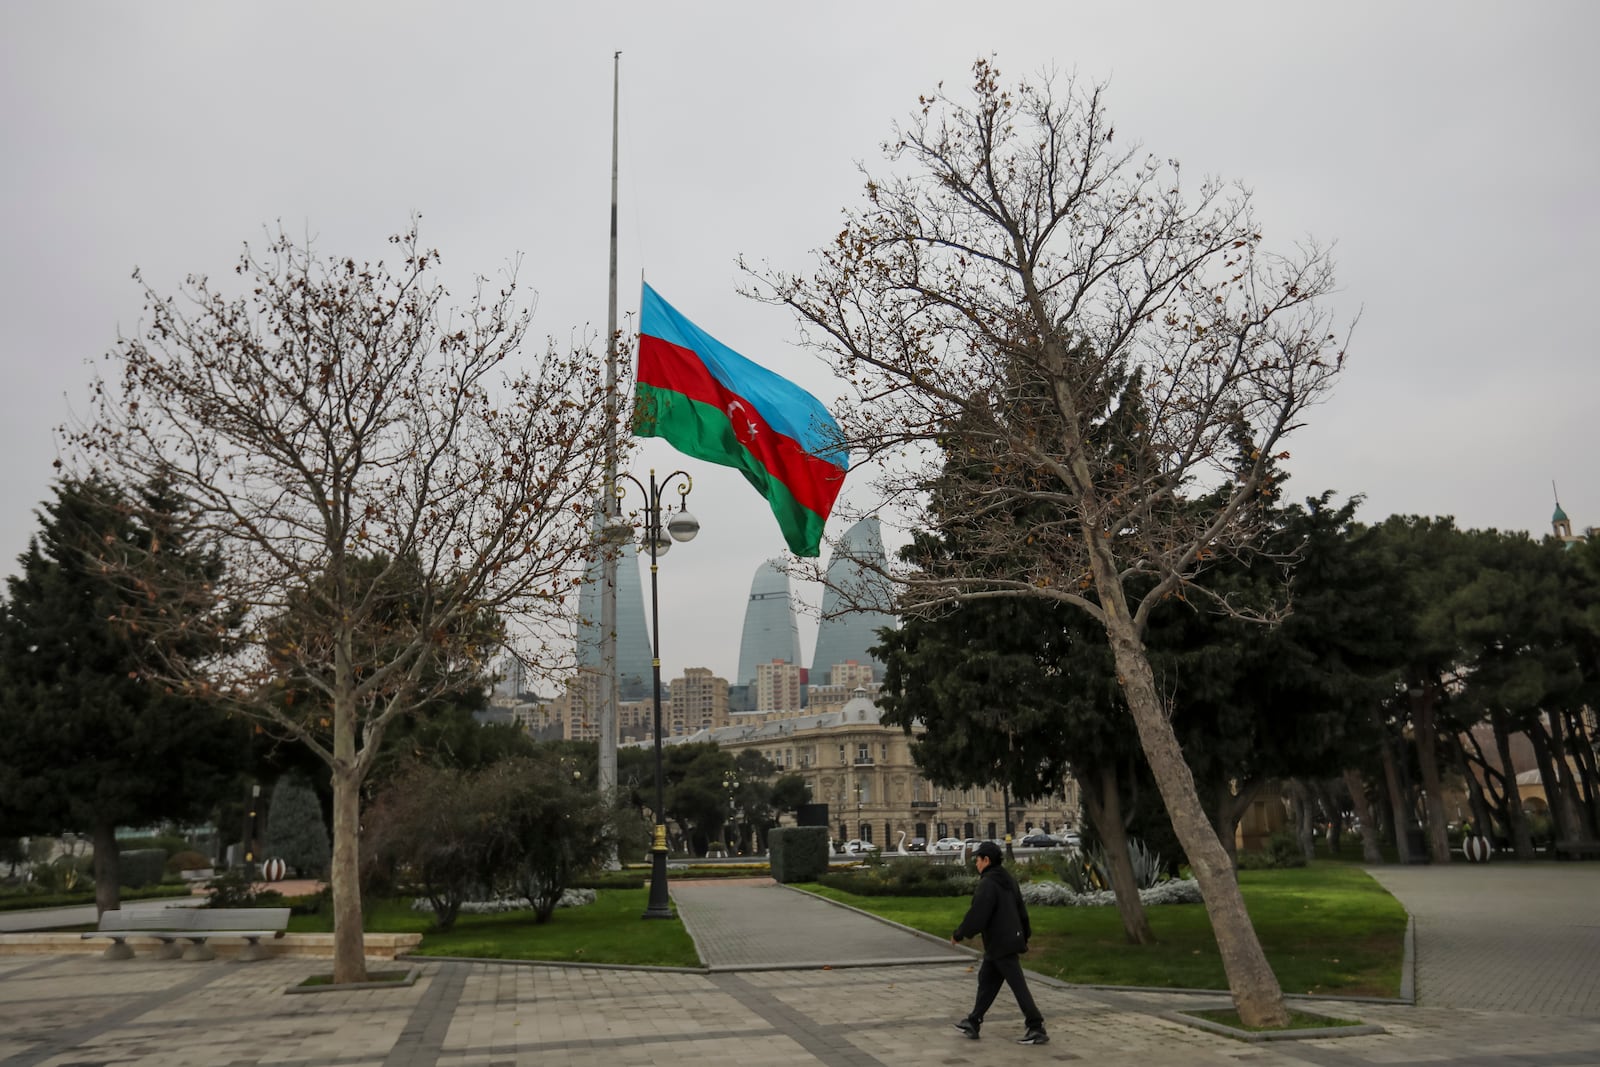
[(770, 631), (633, 639), (843, 635)]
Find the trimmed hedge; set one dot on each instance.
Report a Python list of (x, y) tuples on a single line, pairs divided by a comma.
[(904, 878), (140, 867), (609, 880), (25, 900), (798, 853)]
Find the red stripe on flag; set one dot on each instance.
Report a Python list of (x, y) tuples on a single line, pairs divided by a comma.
[(814, 482)]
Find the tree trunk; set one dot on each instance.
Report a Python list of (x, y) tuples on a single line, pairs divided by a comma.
[(107, 869), (349, 944), (1517, 828), (1256, 994), (1105, 810), (1369, 829), (1568, 785), (1581, 745), (1427, 739), (1397, 800), (1327, 794), (1233, 800), (1481, 824), (1300, 797), (1564, 819)]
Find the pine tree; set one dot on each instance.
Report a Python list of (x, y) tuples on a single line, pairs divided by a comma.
[(91, 742), (296, 832)]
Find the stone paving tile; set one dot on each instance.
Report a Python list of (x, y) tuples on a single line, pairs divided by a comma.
[(80, 1010), (1512, 937)]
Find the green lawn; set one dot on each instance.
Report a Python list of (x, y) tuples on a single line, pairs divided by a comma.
[(1326, 929), (607, 931)]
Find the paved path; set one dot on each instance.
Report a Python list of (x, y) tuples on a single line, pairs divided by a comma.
[(1523, 938), (734, 929), (58, 1011)]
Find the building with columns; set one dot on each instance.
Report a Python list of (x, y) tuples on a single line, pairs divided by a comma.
[(862, 769)]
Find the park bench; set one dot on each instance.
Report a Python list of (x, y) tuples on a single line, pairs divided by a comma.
[(1577, 850), (194, 925)]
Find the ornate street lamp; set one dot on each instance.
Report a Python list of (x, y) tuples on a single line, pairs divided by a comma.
[(730, 785), (658, 537)]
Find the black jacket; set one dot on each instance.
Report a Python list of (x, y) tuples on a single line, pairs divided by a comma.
[(997, 913)]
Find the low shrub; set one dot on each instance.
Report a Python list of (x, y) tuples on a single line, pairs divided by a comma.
[(234, 890), (1282, 851), (65, 874), (609, 880), (570, 898), (169, 844), (35, 897), (188, 860), (1078, 872), (310, 903), (141, 867), (904, 878), (1058, 894)]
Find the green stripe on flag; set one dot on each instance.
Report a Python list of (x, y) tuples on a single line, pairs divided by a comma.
[(703, 431)]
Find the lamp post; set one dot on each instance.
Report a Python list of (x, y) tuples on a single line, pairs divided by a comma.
[(730, 785), (658, 537)]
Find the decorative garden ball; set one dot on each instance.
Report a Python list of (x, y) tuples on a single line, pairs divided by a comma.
[(273, 870), (1477, 849)]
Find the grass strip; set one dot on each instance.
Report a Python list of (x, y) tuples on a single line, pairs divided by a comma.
[(1327, 930), (608, 931)]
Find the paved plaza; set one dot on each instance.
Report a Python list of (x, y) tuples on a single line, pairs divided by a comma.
[(1509, 959)]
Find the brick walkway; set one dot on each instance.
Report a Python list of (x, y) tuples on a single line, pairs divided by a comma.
[(80, 1010), (1509, 937), (732, 927)]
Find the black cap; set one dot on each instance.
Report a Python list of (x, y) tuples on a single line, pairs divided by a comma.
[(989, 851)]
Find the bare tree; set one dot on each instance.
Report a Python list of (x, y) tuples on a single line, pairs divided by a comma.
[(382, 478), (1126, 360)]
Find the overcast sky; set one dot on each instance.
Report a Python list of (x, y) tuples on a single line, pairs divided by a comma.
[(1451, 151)]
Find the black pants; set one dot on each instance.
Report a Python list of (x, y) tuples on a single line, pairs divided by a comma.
[(1006, 970)]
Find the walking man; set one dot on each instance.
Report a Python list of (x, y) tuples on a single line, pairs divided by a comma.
[(999, 914)]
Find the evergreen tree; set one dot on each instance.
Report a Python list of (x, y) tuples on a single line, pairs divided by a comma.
[(91, 741), (296, 832)]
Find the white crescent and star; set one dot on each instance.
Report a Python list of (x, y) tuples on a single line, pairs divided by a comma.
[(735, 416)]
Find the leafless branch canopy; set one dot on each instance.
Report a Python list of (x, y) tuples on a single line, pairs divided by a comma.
[(379, 475), (1049, 344)]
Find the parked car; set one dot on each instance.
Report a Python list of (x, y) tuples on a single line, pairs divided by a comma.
[(1069, 838), (947, 844), (1038, 839), (855, 845)]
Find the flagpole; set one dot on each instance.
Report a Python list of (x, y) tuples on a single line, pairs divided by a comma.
[(610, 550)]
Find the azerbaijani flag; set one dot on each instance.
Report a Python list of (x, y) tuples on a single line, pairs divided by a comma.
[(710, 402)]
